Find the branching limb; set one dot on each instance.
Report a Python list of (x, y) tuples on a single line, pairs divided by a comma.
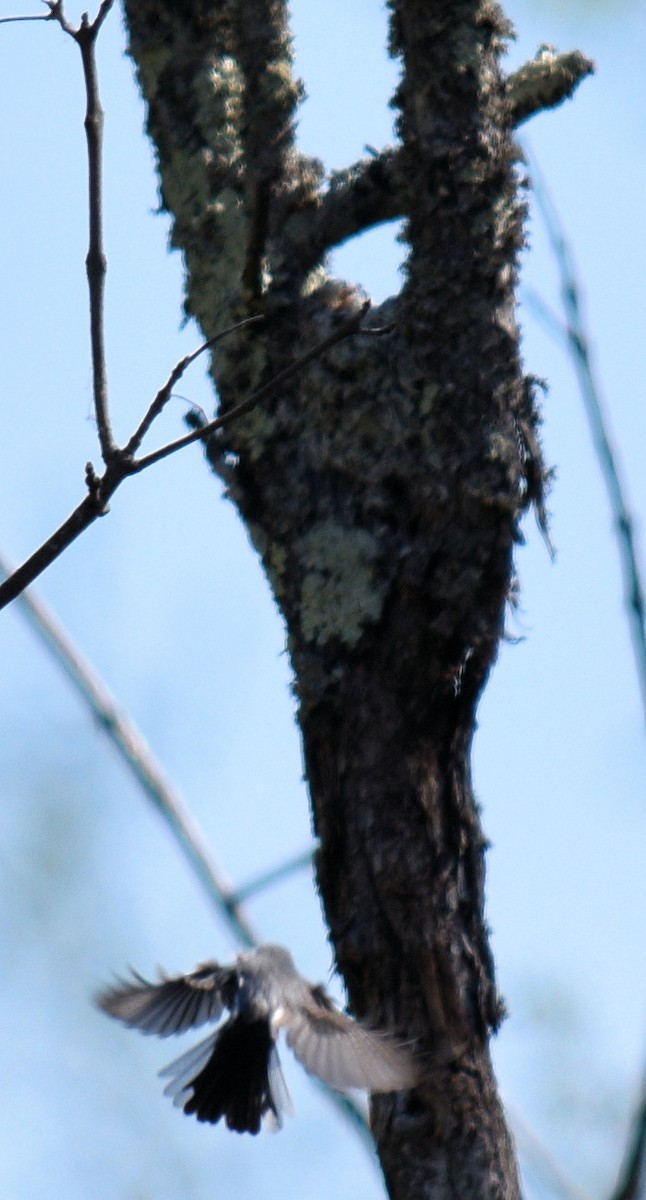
[(344, 330), (366, 194), (165, 392), (266, 76), (102, 487), (262, 47), (372, 190)]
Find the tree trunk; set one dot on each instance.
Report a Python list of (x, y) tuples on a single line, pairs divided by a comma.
[(383, 488)]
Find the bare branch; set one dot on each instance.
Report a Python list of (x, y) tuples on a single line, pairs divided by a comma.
[(95, 504), (372, 190), (102, 487), (85, 37), (261, 45), (48, 16), (546, 81), (274, 875), (164, 393), (352, 325), (83, 515), (357, 198), (579, 348), (96, 261), (132, 748)]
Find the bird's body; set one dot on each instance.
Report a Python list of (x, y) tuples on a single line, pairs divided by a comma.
[(235, 1072)]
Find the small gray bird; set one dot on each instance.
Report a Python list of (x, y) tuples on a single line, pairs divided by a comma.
[(235, 1072)]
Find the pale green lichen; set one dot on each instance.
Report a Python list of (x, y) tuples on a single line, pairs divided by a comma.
[(273, 555), (152, 61), (340, 592), (278, 556), (429, 394), (214, 279), (253, 431), (315, 280), (220, 90)]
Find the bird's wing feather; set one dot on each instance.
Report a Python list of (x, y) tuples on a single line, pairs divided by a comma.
[(282, 1101), (343, 1053), (182, 1071), (172, 1005)]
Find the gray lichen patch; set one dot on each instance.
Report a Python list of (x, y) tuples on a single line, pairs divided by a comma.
[(220, 93), (341, 592), (253, 432)]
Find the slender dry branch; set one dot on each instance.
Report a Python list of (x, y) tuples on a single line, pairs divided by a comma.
[(344, 330), (133, 750), (259, 883), (48, 16), (577, 341), (96, 263), (165, 392), (94, 504), (102, 487), (85, 37)]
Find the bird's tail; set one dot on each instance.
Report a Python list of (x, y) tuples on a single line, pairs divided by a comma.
[(235, 1074)]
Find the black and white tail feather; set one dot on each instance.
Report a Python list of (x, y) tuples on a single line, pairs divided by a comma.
[(235, 1072)]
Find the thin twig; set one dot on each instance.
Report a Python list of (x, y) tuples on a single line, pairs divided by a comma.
[(548, 318), (579, 348), (96, 263), (164, 392), (102, 487), (344, 330), (48, 16), (136, 754), (85, 37), (266, 879)]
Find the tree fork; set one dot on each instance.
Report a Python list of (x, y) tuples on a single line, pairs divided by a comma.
[(383, 489)]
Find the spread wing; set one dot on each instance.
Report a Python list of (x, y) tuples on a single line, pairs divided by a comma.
[(172, 1005), (344, 1053)]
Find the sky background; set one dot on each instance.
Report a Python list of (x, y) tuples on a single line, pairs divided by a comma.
[(166, 598)]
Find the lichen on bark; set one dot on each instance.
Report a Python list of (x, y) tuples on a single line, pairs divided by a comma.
[(383, 488)]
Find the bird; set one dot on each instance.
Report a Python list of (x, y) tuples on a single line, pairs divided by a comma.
[(235, 1072)]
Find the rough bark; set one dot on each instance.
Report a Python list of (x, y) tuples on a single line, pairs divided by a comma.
[(383, 489)]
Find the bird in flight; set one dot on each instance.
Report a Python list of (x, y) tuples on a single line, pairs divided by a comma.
[(235, 1072)]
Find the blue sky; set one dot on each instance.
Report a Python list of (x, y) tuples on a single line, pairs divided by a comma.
[(166, 598)]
